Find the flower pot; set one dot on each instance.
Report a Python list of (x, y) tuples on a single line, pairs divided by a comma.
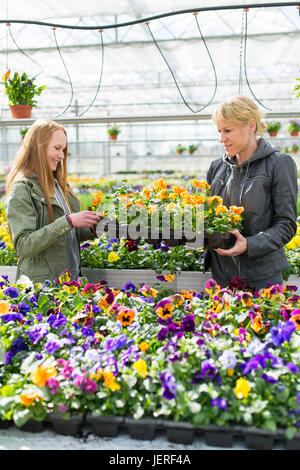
[(33, 426), (293, 444), (114, 229), (219, 240), (105, 426), (259, 439), (66, 427), (113, 136), (217, 436), (179, 432), (21, 111), (272, 133), (4, 424), (142, 429), (294, 133)]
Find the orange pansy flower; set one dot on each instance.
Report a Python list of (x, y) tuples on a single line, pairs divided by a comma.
[(110, 381), (158, 185), (237, 210), (28, 398), (41, 374), (4, 306), (163, 194), (202, 184), (126, 316), (220, 208)]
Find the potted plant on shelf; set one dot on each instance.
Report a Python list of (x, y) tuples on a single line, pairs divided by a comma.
[(273, 128), (293, 127), (113, 132), (21, 92), (180, 149), (294, 148), (192, 149)]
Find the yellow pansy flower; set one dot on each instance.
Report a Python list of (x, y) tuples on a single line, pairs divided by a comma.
[(112, 257), (242, 388), (141, 367)]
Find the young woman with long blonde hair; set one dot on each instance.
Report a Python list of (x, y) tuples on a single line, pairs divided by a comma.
[(43, 212)]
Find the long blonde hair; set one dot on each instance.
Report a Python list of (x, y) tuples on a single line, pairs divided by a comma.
[(31, 158), (240, 110)]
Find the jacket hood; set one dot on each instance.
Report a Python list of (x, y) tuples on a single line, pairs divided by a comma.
[(264, 149)]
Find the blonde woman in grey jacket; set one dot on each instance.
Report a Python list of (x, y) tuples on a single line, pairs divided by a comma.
[(43, 212), (253, 174)]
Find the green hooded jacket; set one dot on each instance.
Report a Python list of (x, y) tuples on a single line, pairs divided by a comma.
[(40, 245)]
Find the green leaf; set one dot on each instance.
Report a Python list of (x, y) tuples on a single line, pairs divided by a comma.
[(290, 432), (270, 424), (43, 302), (201, 418), (7, 402), (7, 391), (39, 413), (21, 417)]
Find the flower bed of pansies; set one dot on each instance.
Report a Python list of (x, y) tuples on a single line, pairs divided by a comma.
[(293, 254), (222, 356), (8, 256)]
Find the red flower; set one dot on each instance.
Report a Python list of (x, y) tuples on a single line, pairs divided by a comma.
[(131, 245)]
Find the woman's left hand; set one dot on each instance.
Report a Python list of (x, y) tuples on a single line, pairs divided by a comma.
[(239, 247)]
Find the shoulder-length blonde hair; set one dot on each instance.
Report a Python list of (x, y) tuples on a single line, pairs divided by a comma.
[(240, 110), (32, 159)]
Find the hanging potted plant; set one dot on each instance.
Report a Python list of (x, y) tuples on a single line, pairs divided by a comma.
[(293, 127), (113, 132), (192, 149), (294, 148), (180, 149), (21, 91), (23, 131), (273, 128)]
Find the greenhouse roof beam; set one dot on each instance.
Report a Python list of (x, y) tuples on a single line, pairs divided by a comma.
[(133, 119)]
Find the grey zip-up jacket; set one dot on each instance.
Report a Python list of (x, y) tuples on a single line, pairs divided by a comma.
[(266, 186)]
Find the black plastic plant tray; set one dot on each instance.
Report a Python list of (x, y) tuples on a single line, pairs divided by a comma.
[(217, 436), (219, 240), (33, 426), (66, 427), (105, 426), (114, 229), (4, 424), (179, 432), (142, 429)]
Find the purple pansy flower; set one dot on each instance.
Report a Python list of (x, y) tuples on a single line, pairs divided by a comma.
[(12, 292), (169, 385)]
